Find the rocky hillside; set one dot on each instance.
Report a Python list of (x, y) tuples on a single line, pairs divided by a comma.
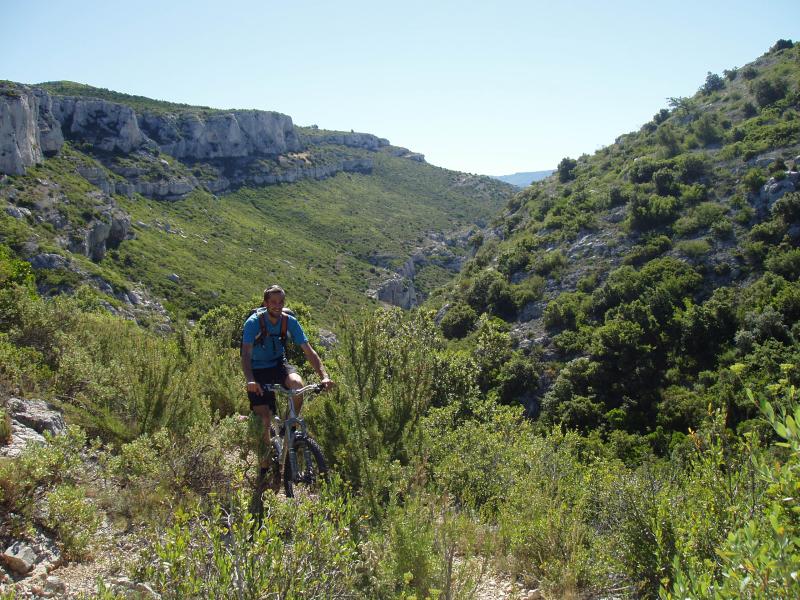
[(629, 277), (168, 200)]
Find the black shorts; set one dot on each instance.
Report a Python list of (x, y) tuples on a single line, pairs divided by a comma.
[(276, 374)]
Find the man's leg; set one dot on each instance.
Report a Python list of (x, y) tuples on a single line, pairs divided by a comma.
[(293, 381), (263, 411)]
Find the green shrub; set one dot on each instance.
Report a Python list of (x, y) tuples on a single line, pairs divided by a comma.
[(787, 207), (754, 179), (652, 211), (5, 426), (690, 167), (722, 229), (409, 563), (707, 129), (712, 84), (74, 519), (369, 425), (694, 248), (458, 320), (567, 311), (757, 553), (653, 247), (541, 525), (769, 91), (39, 469), (303, 546), (566, 169), (785, 262), (475, 460)]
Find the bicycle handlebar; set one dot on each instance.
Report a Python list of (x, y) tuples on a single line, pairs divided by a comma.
[(276, 387)]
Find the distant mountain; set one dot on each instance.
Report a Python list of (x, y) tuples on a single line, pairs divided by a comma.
[(522, 180)]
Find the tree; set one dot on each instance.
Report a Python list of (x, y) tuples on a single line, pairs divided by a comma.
[(661, 116), (769, 91), (566, 169), (781, 45), (713, 83)]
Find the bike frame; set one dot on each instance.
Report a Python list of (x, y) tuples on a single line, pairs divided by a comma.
[(293, 424)]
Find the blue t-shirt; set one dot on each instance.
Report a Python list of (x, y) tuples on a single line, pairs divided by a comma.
[(271, 351)]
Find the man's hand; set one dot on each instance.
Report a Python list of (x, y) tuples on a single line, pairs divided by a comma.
[(327, 382), (255, 388)]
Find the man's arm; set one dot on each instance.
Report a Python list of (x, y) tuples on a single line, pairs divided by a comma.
[(316, 363), (247, 369)]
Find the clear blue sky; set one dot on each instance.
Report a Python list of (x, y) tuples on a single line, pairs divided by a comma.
[(484, 87)]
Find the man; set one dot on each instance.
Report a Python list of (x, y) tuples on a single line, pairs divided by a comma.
[(264, 357)]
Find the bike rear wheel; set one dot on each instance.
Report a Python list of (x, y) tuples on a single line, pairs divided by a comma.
[(311, 468)]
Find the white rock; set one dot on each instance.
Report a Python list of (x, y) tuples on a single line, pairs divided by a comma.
[(19, 557)]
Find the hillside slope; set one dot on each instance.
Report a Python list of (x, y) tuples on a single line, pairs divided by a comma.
[(633, 278), (197, 207)]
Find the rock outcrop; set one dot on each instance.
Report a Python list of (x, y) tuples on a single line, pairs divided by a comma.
[(107, 126), (215, 150), (776, 187), (30, 420), (190, 136), (397, 291), (367, 141), (27, 129)]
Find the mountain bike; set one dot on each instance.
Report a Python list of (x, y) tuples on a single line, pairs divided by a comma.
[(304, 466)]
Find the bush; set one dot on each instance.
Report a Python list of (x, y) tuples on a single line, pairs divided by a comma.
[(707, 130), (653, 247), (749, 73), (769, 91), (762, 532), (566, 169), (304, 546), (369, 425), (567, 311), (74, 519), (781, 44), (785, 262), (787, 207), (664, 180), (458, 320), (5, 426), (713, 83), (690, 167), (694, 248), (490, 292), (647, 212), (754, 179)]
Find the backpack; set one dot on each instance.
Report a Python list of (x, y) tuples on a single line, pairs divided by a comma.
[(263, 334)]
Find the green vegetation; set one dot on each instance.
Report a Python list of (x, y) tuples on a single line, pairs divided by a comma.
[(606, 407), (137, 103), (320, 239), (429, 465)]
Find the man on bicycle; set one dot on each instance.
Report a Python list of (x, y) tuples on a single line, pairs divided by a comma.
[(264, 356)]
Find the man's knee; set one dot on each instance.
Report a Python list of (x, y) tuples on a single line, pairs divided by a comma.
[(293, 381)]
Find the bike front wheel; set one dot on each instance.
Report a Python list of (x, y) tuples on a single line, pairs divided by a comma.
[(270, 479), (311, 468)]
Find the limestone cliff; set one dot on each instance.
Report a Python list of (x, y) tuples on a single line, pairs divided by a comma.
[(215, 150), (27, 129)]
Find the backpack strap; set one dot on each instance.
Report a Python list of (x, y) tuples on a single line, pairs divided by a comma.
[(262, 324), (284, 327)]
